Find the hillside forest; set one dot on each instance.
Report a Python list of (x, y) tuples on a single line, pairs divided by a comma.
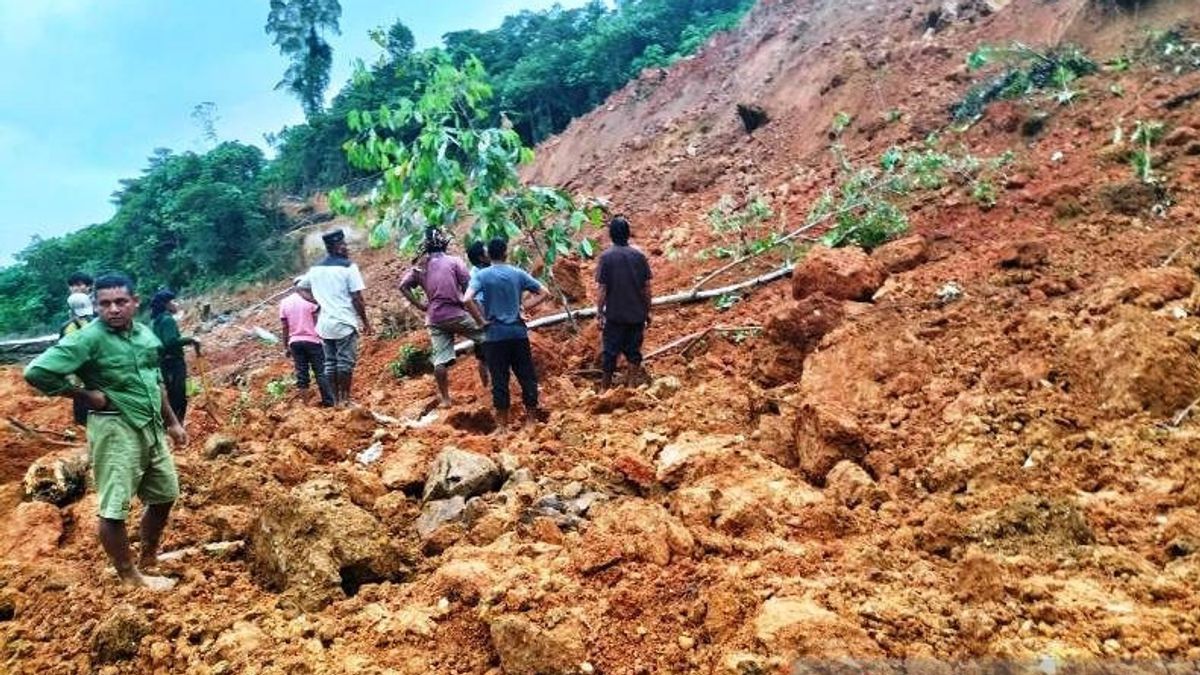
[(197, 220)]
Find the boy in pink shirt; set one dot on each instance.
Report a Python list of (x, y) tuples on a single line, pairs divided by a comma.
[(301, 342)]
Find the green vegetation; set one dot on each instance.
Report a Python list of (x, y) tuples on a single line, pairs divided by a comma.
[(410, 361), (455, 167), (190, 220), (742, 231), (545, 68), (1145, 135), (1024, 70), (297, 27), (866, 207)]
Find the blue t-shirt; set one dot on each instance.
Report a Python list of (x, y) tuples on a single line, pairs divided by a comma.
[(503, 284)]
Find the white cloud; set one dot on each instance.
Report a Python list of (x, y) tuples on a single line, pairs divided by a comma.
[(25, 22)]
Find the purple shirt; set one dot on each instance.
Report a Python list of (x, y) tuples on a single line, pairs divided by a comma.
[(444, 279)]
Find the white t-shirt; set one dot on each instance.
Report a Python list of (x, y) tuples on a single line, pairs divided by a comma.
[(332, 286)]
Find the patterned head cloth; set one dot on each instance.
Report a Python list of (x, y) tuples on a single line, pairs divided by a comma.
[(436, 240)]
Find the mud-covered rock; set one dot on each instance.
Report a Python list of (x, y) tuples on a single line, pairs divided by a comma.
[(315, 546), (798, 626), (803, 323), (30, 532), (1025, 254), (692, 455), (1133, 363), (825, 435), (1151, 287), (59, 477), (219, 444), (642, 530), (459, 473), (405, 468), (527, 649), (902, 255), (1131, 198), (850, 485), (569, 279), (841, 273), (118, 636)]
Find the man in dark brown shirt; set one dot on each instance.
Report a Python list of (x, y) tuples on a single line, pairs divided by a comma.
[(622, 302)]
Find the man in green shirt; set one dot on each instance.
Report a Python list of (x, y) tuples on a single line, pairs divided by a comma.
[(116, 358)]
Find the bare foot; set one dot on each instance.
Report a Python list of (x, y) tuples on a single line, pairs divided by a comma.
[(153, 583)]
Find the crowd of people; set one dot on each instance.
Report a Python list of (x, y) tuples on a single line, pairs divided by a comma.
[(128, 381)]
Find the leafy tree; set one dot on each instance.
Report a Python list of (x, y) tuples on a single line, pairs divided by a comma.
[(455, 169), (298, 27)]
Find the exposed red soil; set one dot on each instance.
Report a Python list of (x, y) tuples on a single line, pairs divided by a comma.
[(901, 478)]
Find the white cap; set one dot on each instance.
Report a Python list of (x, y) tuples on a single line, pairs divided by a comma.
[(80, 304)]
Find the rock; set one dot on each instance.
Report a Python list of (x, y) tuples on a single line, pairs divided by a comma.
[(902, 255), (692, 456), (315, 546), (1025, 255), (1031, 521), (219, 444), (458, 473), (526, 649), (791, 626), (826, 435), (850, 485), (635, 469), (841, 273), (464, 580), (31, 532), (1181, 533), (59, 478), (240, 642), (118, 636), (645, 531), (664, 387), (569, 279), (1133, 364), (803, 323), (1150, 287), (437, 513), (228, 522)]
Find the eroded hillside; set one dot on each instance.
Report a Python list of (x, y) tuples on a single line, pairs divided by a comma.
[(972, 444)]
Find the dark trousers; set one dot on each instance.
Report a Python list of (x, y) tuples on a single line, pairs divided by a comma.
[(622, 338), (515, 355), (174, 372), (310, 356)]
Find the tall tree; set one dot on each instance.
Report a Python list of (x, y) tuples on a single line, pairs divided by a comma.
[(298, 27)]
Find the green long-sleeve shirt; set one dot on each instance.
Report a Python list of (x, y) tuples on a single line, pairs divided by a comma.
[(166, 328), (123, 365)]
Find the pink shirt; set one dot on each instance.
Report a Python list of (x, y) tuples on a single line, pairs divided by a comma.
[(301, 319)]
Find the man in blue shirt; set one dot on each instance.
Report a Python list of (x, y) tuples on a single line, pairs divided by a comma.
[(507, 339)]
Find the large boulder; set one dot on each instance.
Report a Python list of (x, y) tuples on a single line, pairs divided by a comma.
[(841, 273), (803, 323), (634, 529), (32, 531), (314, 545), (526, 649), (59, 477), (459, 473)]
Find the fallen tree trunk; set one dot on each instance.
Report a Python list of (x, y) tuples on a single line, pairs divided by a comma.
[(684, 297)]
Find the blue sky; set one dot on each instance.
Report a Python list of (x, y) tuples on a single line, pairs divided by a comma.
[(90, 87)]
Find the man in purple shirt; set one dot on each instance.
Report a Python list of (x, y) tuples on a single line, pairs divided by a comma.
[(443, 280)]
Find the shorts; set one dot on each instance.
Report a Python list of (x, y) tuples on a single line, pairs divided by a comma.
[(128, 461), (341, 354), (441, 337)]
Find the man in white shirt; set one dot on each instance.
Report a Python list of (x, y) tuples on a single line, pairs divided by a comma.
[(335, 284)]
